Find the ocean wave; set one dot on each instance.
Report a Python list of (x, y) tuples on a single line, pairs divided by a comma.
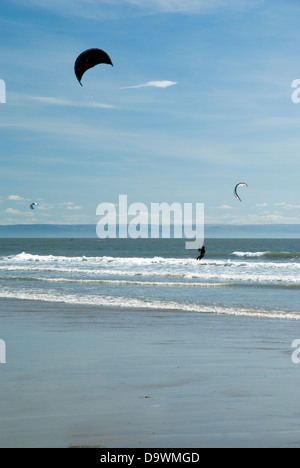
[(263, 283), (30, 261), (268, 255), (156, 260), (116, 282), (31, 258), (121, 302), (238, 270), (248, 254)]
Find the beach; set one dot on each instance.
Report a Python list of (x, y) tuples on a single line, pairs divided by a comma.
[(78, 376), (135, 343)]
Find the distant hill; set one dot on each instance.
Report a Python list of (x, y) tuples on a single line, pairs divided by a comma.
[(48, 231), (89, 231)]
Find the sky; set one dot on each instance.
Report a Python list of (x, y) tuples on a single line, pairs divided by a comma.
[(200, 98)]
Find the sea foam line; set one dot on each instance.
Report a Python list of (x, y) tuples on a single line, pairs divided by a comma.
[(156, 266), (116, 282), (187, 284), (245, 275), (144, 304), (268, 254)]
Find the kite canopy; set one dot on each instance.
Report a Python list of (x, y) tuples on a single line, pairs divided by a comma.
[(89, 59), (241, 184), (33, 205)]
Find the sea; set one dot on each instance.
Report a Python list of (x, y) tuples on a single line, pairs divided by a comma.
[(237, 277)]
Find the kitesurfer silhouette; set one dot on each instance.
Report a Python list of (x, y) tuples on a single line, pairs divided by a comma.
[(202, 253)]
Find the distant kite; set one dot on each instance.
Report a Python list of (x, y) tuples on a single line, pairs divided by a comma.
[(33, 205), (241, 184), (89, 59)]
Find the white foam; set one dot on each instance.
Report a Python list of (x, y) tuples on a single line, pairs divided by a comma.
[(208, 270), (248, 254), (117, 282), (144, 304)]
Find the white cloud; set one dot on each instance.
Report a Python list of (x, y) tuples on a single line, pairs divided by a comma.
[(287, 205), (15, 198), (45, 207), (71, 206), (253, 218), (225, 207), (12, 211), (154, 84)]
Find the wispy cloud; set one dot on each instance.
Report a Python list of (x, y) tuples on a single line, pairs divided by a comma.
[(188, 6), (71, 206), (15, 198), (287, 206), (153, 84), (225, 207), (11, 211), (45, 206), (64, 102), (95, 9)]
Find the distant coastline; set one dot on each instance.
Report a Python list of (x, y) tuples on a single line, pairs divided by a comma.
[(278, 231)]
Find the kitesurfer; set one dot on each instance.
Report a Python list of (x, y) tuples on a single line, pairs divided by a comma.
[(202, 253)]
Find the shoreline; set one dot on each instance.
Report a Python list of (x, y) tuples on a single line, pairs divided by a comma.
[(89, 377)]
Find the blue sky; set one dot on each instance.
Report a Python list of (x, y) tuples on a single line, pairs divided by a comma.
[(199, 99)]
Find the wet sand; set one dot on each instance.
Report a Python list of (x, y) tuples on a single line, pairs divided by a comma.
[(85, 376)]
